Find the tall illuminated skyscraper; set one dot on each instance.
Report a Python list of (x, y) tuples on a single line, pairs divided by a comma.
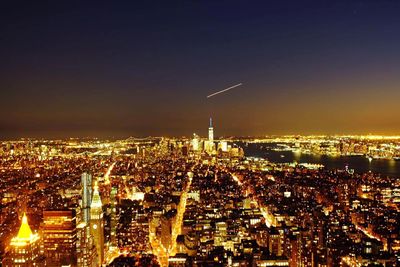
[(86, 251), (210, 132), (86, 182), (97, 224), (24, 248)]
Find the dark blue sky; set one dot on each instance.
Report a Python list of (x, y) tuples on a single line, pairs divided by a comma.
[(121, 68)]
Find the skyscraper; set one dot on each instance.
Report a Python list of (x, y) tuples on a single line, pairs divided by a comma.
[(24, 248), (86, 182), (210, 132), (209, 145), (59, 237), (97, 224)]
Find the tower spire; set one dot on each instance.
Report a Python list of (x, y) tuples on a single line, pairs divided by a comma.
[(25, 235), (210, 132), (96, 200), (25, 231)]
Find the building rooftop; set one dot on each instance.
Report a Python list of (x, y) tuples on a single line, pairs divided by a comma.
[(25, 235)]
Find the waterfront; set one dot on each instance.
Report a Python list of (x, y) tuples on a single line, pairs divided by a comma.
[(360, 164)]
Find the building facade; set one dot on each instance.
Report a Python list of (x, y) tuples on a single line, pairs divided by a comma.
[(24, 249), (59, 237)]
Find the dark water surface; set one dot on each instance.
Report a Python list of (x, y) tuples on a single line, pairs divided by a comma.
[(360, 164)]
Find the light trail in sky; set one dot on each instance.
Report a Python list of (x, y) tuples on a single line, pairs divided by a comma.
[(227, 89)]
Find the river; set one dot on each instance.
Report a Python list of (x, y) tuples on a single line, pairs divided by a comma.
[(360, 164)]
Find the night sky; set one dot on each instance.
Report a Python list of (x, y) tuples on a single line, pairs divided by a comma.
[(139, 68)]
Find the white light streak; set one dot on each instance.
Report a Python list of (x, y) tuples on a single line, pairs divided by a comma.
[(227, 89)]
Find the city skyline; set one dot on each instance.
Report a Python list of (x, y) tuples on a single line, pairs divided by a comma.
[(317, 201), (200, 133), (143, 69)]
